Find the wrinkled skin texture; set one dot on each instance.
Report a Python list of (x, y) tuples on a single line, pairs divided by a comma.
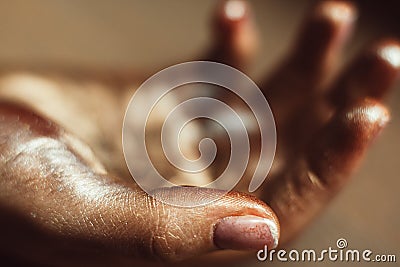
[(61, 203)]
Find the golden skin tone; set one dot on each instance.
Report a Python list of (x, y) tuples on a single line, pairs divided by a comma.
[(63, 203)]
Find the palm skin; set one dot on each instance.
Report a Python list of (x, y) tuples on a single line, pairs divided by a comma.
[(323, 131)]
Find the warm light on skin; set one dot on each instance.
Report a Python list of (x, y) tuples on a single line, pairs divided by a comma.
[(235, 9), (377, 114), (390, 53), (373, 114), (338, 12)]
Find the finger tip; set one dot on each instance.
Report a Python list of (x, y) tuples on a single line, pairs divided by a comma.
[(236, 34), (234, 221), (368, 118), (360, 124), (343, 142), (323, 34), (371, 74), (251, 224), (233, 11), (388, 50), (339, 12), (233, 17)]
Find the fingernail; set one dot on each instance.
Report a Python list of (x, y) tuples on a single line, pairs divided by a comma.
[(245, 233)]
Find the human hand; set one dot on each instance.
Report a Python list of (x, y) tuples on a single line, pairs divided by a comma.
[(121, 219), (325, 122)]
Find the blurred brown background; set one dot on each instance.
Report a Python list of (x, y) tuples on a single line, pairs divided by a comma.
[(148, 35)]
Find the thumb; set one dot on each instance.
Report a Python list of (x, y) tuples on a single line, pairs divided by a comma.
[(53, 184), (235, 221)]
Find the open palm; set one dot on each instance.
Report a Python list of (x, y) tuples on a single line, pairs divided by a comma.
[(54, 190)]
